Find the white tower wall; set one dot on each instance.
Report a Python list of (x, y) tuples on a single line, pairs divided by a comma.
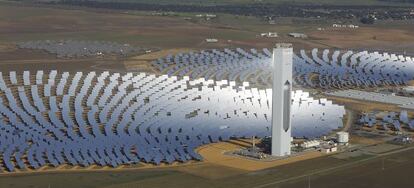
[(282, 88)]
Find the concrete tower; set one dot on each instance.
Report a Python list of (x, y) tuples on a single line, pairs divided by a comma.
[(282, 88)]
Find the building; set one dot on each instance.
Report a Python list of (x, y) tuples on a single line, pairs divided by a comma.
[(310, 144), (409, 89), (329, 149), (269, 35), (298, 35), (211, 40), (325, 150), (206, 16), (352, 26), (282, 88)]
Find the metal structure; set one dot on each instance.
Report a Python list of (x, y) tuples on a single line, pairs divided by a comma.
[(109, 119), (396, 121), (281, 109), (403, 102), (316, 68), (76, 49)]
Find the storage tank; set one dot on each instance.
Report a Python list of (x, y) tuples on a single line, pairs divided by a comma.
[(342, 137)]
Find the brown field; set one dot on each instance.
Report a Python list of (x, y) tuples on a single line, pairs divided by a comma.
[(391, 171), (372, 38), (362, 106), (140, 63), (329, 171), (355, 139), (173, 34)]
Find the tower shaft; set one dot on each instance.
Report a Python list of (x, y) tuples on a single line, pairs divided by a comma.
[(281, 99)]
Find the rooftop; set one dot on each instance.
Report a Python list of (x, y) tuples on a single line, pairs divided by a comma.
[(283, 45)]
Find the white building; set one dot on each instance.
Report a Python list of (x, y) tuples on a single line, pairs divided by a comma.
[(310, 144), (298, 35), (282, 88), (269, 35), (329, 149), (352, 26), (409, 89), (211, 40)]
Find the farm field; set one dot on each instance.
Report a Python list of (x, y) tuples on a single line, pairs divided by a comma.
[(233, 2), (383, 170), (19, 23)]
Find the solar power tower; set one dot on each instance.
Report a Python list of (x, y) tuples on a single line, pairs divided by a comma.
[(282, 87)]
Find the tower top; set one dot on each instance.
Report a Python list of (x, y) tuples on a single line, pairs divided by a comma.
[(283, 45)]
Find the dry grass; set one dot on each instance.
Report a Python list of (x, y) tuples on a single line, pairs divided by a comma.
[(382, 148), (355, 139), (5, 47), (211, 171), (162, 53), (363, 106), (368, 37), (141, 63), (38, 23)]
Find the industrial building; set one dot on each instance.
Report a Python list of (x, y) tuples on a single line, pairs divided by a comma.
[(298, 35)]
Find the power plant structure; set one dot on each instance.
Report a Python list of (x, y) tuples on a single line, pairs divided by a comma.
[(281, 100)]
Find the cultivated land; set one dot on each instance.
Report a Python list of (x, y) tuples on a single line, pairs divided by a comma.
[(241, 2), (179, 32), (175, 34)]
